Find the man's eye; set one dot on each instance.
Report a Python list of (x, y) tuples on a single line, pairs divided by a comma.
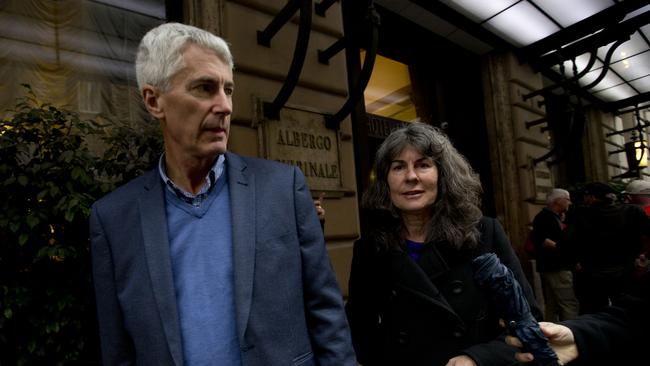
[(228, 91), (205, 88)]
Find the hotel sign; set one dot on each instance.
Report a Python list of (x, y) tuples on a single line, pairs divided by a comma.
[(300, 138)]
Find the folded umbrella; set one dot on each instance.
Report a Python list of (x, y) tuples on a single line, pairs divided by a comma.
[(509, 298)]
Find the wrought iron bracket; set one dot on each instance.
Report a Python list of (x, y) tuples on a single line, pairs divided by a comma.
[(324, 56), (356, 91), (265, 36), (321, 8), (536, 122), (299, 54)]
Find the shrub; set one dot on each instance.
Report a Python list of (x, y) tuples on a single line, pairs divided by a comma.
[(49, 178)]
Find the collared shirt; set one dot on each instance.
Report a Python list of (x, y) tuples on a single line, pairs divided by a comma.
[(193, 199)]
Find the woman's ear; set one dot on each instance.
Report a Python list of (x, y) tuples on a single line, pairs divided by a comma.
[(151, 98)]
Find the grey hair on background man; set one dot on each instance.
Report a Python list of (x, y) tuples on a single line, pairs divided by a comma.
[(556, 194), (160, 54), (456, 212)]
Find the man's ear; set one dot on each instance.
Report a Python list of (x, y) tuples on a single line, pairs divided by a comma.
[(151, 98)]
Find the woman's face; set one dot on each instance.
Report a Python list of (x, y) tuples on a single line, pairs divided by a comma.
[(413, 182)]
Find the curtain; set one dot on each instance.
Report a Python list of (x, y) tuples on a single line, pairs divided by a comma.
[(76, 54)]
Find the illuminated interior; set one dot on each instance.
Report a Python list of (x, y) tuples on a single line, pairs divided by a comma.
[(388, 93)]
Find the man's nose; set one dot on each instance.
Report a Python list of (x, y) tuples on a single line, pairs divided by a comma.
[(222, 104)]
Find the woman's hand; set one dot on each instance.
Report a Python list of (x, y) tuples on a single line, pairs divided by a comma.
[(560, 339), (461, 361)]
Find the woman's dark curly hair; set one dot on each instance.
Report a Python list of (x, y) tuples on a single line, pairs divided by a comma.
[(455, 213)]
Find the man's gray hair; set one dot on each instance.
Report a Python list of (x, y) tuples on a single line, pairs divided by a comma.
[(555, 194), (160, 54)]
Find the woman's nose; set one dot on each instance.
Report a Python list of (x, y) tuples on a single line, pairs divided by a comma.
[(411, 174)]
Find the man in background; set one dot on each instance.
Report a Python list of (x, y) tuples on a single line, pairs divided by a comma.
[(608, 237), (638, 193), (555, 257)]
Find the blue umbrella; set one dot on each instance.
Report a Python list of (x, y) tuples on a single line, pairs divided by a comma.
[(509, 298)]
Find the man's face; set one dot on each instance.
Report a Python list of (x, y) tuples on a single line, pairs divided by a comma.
[(195, 112), (564, 203)]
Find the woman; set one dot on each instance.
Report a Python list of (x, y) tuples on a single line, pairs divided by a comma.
[(412, 299)]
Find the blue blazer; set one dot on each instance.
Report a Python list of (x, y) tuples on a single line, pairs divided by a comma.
[(288, 305)]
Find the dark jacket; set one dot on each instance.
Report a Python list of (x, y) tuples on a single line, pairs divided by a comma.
[(547, 225), (618, 335), (609, 235), (405, 313)]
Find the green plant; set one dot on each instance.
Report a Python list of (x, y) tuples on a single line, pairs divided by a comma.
[(49, 178)]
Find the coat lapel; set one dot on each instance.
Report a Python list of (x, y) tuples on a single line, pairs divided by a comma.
[(241, 185), (156, 245), (411, 278)]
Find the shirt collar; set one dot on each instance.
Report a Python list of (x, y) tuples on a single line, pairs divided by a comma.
[(210, 180)]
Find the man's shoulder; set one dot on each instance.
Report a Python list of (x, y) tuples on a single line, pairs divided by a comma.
[(259, 165), (129, 191)]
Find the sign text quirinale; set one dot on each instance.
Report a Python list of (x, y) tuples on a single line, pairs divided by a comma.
[(300, 138)]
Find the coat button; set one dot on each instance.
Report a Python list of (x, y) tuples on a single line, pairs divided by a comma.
[(456, 287), (402, 337)]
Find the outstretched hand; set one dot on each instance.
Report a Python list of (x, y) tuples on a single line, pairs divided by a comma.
[(560, 339), (461, 361)]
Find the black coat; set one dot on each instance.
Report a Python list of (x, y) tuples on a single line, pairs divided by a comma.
[(617, 335), (609, 235), (546, 225), (402, 313)]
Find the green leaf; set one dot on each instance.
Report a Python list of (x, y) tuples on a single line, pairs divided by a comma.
[(23, 180), (14, 226), (42, 194), (31, 346), (32, 221), (8, 313), (22, 239), (77, 172), (69, 215)]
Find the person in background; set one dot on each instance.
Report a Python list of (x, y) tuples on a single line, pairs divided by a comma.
[(211, 258), (412, 295), (608, 238), (555, 257), (320, 210), (637, 193)]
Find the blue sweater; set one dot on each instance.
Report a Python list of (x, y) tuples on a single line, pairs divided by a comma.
[(202, 262)]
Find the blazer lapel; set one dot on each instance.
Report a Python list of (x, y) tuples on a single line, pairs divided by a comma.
[(241, 185), (156, 245)]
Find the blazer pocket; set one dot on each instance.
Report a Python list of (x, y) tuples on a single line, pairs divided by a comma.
[(304, 359)]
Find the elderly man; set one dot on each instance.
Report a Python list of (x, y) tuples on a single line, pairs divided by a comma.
[(211, 258), (555, 257), (638, 193)]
